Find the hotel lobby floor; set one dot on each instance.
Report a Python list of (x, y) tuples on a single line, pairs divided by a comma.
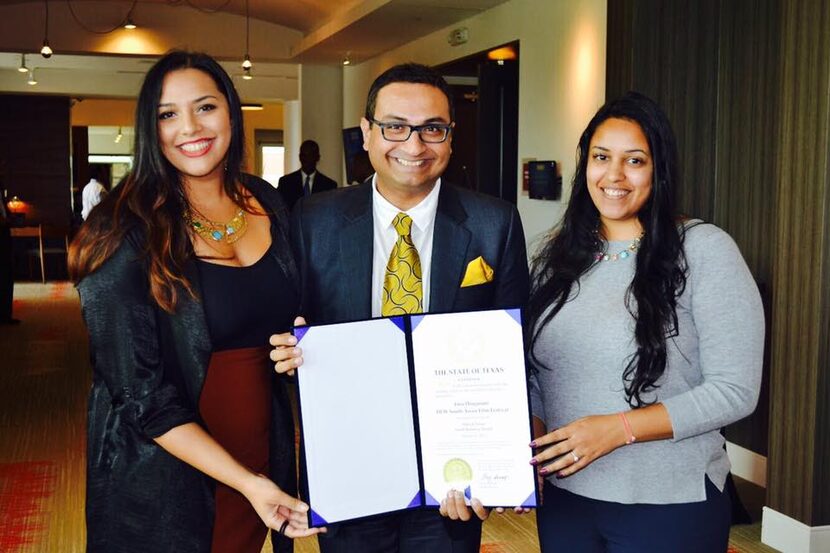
[(44, 379)]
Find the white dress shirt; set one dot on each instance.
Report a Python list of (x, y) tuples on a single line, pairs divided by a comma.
[(310, 178), (91, 196), (385, 236)]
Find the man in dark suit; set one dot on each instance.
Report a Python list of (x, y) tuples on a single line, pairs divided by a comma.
[(470, 254), (308, 180)]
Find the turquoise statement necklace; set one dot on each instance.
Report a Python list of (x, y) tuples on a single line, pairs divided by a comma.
[(228, 232)]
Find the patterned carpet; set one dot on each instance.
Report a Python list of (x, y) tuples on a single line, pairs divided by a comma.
[(44, 379)]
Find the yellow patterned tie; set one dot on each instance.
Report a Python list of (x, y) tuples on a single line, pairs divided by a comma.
[(402, 292)]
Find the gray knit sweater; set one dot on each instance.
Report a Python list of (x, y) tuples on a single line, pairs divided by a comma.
[(712, 377)]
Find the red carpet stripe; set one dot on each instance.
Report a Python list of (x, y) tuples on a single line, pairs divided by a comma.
[(23, 489)]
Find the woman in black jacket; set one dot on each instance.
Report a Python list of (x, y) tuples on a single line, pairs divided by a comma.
[(183, 272)]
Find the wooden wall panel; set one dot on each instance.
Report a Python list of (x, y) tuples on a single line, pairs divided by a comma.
[(669, 51), (35, 153), (755, 141), (712, 66), (799, 483), (619, 48), (746, 163)]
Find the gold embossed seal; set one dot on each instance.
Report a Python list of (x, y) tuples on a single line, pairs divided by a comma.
[(457, 471)]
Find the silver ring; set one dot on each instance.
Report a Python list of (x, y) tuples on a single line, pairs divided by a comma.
[(575, 456)]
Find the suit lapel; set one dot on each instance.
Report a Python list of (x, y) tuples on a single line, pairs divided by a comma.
[(356, 246), (449, 250)]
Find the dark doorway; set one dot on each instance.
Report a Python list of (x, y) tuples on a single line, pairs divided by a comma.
[(80, 167), (485, 140), (462, 168)]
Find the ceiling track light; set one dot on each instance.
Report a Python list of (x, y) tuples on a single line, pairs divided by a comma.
[(23, 68), (118, 136), (32, 81), (45, 51), (128, 23), (246, 63), (125, 23), (346, 59)]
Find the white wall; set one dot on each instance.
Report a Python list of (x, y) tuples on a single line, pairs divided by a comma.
[(321, 93), (291, 134), (102, 141), (561, 80)]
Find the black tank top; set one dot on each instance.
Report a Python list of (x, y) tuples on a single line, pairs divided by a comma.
[(244, 306)]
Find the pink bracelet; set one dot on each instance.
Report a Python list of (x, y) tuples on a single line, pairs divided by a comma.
[(629, 439)]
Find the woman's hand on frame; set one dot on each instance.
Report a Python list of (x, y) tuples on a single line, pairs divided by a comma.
[(278, 510)]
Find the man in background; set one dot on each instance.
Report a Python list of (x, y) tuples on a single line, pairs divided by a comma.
[(6, 265), (92, 193), (308, 180)]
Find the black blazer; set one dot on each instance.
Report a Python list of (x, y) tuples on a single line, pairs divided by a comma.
[(291, 186), (148, 370), (332, 237)]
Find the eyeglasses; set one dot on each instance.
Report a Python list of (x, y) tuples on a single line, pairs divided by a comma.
[(430, 133)]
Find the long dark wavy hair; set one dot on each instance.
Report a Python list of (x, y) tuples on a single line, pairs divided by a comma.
[(152, 197), (660, 274)]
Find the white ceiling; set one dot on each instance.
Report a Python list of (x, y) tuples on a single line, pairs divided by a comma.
[(282, 33)]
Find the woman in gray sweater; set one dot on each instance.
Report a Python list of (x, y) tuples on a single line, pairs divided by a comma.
[(646, 335)]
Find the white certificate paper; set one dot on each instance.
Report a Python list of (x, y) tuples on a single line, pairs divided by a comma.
[(361, 387), (356, 420), (473, 407)]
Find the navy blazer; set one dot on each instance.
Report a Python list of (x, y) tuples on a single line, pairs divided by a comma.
[(148, 370), (291, 186), (332, 237)]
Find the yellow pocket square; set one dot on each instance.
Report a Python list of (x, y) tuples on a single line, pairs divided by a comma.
[(478, 272)]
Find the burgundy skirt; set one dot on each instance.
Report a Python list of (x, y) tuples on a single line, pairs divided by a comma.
[(236, 407)]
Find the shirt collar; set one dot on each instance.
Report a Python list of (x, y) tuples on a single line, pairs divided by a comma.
[(422, 214)]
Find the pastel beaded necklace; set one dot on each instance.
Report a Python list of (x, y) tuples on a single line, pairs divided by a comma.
[(622, 254)]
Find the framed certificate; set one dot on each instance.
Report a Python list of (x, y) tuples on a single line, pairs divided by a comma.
[(395, 412)]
